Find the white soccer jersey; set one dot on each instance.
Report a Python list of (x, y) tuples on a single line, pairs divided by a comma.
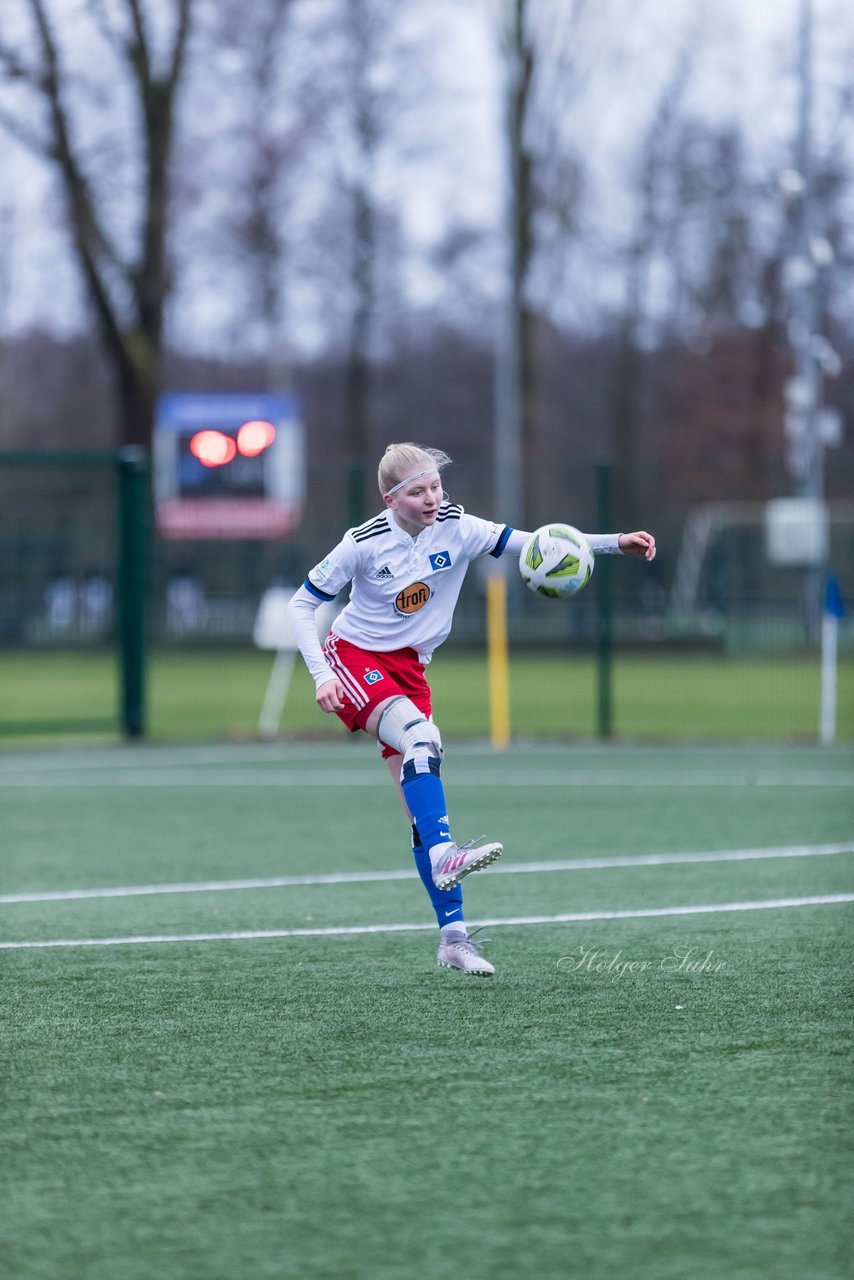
[(404, 589)]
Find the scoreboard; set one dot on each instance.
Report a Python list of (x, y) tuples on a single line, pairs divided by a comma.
[(228, 466)]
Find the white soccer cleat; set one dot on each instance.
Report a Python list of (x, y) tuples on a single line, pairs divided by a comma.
[(457, 861), (458, 951)]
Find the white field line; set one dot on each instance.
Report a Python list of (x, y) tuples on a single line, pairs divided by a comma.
[(276, 755), (285, 754), (319, 778), (341, 747), (372, 877), (247, 935)]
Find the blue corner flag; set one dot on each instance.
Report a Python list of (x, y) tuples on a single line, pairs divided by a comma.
[(833, 598)]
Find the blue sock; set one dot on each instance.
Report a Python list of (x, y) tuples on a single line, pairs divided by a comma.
[(425, 799), (447, 903)]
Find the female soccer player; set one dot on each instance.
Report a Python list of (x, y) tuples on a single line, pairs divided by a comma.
[(406, 567)]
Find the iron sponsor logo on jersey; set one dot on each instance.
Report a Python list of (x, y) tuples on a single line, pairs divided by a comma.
[(441, 560), (320, 571), (412, 598)]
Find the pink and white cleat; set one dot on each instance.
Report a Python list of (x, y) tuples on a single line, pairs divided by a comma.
[(454, 862)]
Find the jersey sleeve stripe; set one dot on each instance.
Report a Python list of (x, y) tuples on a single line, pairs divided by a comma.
[(502, 541), (315, 591), (375, 532), (370, 528)]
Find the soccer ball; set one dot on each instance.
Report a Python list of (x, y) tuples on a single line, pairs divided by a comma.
[(556, 561)]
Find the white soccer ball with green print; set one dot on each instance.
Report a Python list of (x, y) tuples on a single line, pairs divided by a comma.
[(556, 561)]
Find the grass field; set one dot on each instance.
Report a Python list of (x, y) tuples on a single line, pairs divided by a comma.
[(229, 1053), (197, 696)]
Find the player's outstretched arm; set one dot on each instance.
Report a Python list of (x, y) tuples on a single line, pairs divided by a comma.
[(638, 544)]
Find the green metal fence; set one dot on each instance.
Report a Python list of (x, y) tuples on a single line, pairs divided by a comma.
[(82, 572), (75, 562)]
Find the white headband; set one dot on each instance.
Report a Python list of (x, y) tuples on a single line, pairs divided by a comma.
[(409, 479)]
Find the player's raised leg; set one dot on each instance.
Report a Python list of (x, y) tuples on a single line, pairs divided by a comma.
[(398, 722), (456, 948)]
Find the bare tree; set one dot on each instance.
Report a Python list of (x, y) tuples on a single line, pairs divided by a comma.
[(125, 267), (280, 50), (653, 222), (269, 148), (371, 63), (543, 73)]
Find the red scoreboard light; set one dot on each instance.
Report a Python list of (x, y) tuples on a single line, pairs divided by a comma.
[(254, 437), (228, 466), (212, 448)]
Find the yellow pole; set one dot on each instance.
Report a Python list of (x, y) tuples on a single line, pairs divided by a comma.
[(499, 669)]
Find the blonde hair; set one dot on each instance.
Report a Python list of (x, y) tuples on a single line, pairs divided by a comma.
[(403, 460)]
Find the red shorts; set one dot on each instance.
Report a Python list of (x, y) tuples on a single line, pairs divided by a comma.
[(370, 678)]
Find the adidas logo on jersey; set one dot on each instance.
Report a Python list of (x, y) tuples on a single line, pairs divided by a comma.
[(384, 572)]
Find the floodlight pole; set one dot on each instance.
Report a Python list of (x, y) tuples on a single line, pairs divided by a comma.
[(509, 463), (810, 471), (810, 481), (507, 378)]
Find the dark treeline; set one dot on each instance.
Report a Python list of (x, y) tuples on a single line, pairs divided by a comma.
[(709, 422)]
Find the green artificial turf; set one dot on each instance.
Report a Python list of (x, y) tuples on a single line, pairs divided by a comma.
[(317, 1109), (336, 1106)]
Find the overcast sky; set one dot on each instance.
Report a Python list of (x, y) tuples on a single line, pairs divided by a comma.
[(746, 70)]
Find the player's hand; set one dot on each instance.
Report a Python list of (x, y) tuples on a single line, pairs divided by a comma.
[(329, 696), (638, 544)]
